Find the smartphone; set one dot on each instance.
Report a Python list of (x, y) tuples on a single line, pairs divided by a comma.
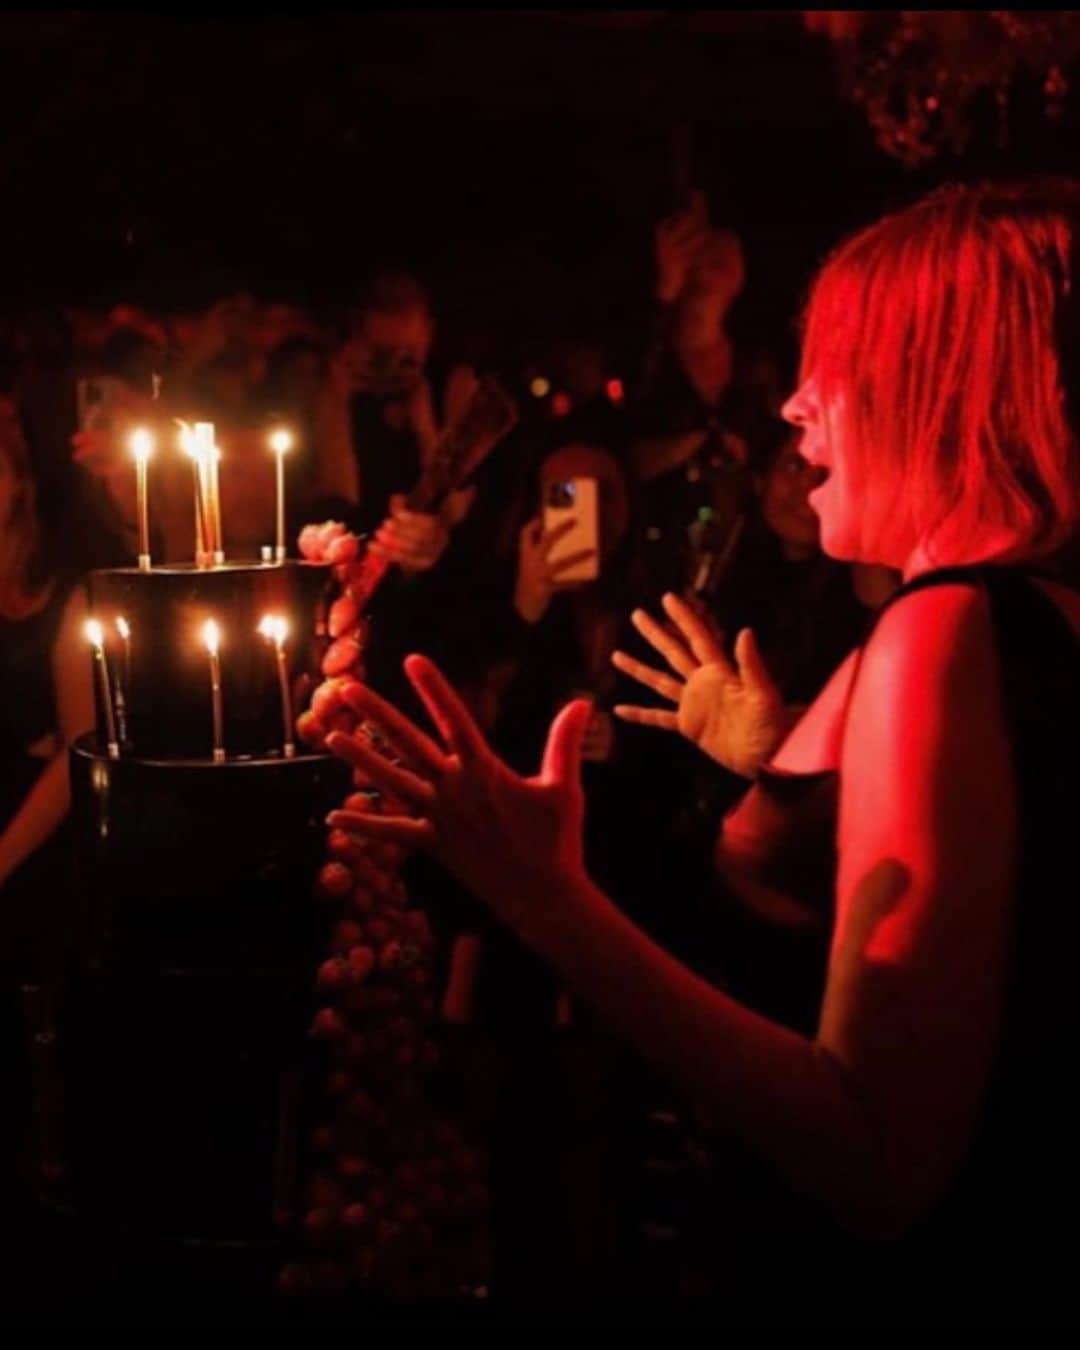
[(576, 500), (97, 400)]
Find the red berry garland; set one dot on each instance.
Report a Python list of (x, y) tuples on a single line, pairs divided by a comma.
[(396, 1203)]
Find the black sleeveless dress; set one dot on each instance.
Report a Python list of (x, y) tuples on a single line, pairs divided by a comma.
[(1000, 1246)]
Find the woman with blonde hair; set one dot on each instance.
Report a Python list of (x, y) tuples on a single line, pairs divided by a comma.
[(931, 1115)]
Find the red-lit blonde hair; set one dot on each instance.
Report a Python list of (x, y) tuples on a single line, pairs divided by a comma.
[(946, 336)]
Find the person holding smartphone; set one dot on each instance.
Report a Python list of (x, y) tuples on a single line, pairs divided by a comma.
[(379, 419), (548, 1066)]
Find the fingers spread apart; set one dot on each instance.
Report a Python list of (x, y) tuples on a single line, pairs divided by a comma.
[(394, 829), (447, 711), (673, 651), (647, 717), (705, 642), (665, 685), (408, 787), (420, 749)]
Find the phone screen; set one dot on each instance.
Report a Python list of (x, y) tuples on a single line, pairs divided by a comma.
[(574, 500)]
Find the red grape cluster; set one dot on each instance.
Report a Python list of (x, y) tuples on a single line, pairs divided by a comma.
[(397, 1203)]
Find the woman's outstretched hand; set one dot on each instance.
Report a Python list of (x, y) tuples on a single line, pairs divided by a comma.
[(731, 710), (512, 841)]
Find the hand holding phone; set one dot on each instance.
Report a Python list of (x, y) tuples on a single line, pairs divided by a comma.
[(572, 504), (679, 240), (545, 562)]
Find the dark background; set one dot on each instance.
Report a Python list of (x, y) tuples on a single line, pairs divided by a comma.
[(517, 160)]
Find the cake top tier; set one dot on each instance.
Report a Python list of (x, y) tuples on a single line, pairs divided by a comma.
[(159, 668)]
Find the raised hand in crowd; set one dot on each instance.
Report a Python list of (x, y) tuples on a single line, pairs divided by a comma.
[(679, 240), (415, 540), (538, 577), (730, 709)]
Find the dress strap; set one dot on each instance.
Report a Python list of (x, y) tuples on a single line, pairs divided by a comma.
[(1012, 598), (975, 574)]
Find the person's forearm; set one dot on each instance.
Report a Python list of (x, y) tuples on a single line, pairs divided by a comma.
[(660, 333), (42, 810), (784, 1094)]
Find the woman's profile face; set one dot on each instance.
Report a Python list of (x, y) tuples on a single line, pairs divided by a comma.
[(838, 507)]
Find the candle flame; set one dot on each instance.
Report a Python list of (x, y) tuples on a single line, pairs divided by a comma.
[(123, 627), (95, 633), (274, 627), (187, 439), (142, 444), (211, 636), (205, 446), (280, 441)]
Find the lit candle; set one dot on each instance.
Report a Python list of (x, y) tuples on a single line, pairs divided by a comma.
[(211, 636), (123, 684), (96, 635), (275, 629), (211, 457), (280, 443), (190, 448), (142, 447)]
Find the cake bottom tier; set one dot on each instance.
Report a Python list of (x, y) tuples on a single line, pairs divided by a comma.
[(182, 1050)]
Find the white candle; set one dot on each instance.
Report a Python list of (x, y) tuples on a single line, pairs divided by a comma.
[(191, 449), (210, 456), (275, 629), (280, 443), (123, 683), (142, 447), (211, 636), (96, 635)]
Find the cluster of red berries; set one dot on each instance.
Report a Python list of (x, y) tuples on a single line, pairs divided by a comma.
[(397, 1203)]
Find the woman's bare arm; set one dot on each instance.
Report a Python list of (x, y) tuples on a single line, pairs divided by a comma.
[(47, 802)]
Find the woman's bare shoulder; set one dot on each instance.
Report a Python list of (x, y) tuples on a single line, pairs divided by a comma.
[(918, 638), (813, 745)]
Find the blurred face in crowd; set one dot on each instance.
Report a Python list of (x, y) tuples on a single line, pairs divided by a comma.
[(612, 498), (719, 270), (389, 351), (276, 323), (301, 377), (228, 383), (785, 507), (580, 369), (12, 453)]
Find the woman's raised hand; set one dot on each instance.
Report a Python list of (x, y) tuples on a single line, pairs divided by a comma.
[(731, 710), (510, 840)]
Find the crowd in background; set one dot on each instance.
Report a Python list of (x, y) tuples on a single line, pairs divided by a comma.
[(700, 493)]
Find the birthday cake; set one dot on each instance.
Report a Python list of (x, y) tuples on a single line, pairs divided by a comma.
[(247, 1022), (247, 1031)]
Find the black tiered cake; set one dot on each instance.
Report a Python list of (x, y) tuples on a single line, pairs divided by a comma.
[(196, 942)]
